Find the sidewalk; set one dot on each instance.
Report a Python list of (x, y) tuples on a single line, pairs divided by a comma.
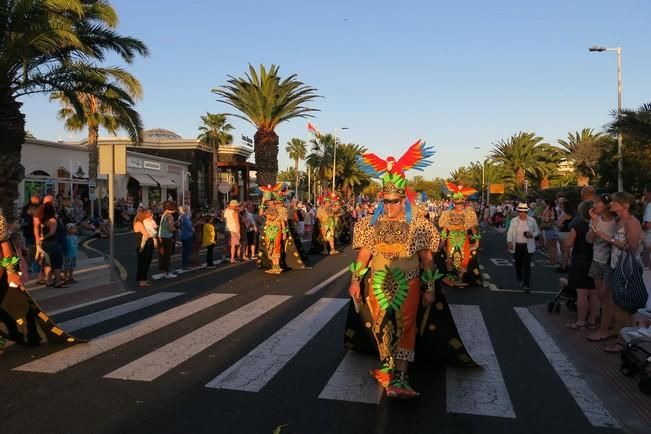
[(93, 286), (600, 369)]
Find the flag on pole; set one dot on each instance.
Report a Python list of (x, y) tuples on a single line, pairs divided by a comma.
[(311, 128)]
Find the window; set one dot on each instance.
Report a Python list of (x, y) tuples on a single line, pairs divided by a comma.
[(200, 185)]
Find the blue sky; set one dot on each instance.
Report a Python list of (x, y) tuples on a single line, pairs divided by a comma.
[(458, 74)]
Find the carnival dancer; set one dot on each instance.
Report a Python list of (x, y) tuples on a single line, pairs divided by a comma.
[(459, 230), (393, 266), (295, 256), (271, 230), (327, 225)]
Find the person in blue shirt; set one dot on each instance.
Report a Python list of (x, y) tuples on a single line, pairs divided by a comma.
[(187, 233), (70, 257)]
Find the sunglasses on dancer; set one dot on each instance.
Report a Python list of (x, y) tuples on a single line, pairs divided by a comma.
[(391, 201)]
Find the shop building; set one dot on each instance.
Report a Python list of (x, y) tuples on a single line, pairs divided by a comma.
[(62, 168), (233, 166)]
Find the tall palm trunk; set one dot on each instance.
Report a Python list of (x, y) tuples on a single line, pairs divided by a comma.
[(297, 175), (266, 156), (215, 174), (93, 152), (12, 137)]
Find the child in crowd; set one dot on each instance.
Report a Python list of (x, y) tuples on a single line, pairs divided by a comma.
[(70, 259), (208, 240)]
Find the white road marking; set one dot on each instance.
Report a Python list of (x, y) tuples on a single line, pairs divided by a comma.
[(252, 372), (326, 282), (585, 398), (485, 276), (352, 381), (162, 360), (481, 267), (477, 391), (73, 355), (89, 303), (113, 312)]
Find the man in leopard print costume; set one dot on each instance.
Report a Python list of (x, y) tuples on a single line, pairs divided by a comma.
[(397, 300)]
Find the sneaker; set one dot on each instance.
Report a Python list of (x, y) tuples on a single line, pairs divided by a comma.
[(171, 276), (217, 262), (526, 289)]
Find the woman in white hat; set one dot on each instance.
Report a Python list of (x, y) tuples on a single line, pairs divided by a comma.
[(521, 241)]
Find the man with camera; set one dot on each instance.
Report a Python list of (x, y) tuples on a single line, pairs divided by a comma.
[(521, 241)]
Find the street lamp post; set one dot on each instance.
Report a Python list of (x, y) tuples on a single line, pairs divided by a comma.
[(334, 158), (620, 160)]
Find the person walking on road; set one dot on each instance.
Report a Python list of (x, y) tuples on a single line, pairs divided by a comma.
[(145, 245), (53, 237), (521, 242), (166, 230)]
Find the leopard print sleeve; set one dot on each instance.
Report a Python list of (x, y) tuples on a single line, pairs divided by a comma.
[(4, 230), (363, 234), (444, 220), (425, 236), (471, 218)]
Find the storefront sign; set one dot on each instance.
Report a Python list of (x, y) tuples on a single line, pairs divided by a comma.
[(171, 168), (134, 162), (151, 165)]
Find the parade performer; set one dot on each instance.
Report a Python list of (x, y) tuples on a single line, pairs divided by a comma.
[(293, 254), (271, 231), (459, 230), (393, 272), (327, 225)]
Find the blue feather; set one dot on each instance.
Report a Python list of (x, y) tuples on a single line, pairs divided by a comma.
[(376, 214), (408, 210)]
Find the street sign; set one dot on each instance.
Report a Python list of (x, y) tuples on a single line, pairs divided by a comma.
[(224, 187), (496, 188), (110, 155), (91, 191)]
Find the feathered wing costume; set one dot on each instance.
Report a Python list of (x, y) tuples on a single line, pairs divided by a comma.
[(389, 319)]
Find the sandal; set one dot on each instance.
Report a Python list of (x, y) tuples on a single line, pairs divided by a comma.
[(615, 348), (60, 285), (576, 326), (41, 282), (598, 338)]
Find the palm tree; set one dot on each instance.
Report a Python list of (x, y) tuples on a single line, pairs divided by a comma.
[(113, 111), (522, 155), (48, 46), (297, 151), (634, 123), (265, 100), (351, 178), (215, 133), (321, 157), (583, 149)]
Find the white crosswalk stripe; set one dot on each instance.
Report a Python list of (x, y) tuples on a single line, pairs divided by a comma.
[(481, 392), (477, 391), (73, 355), (352, 382), (116, 311), (257, 368), (585, 398), (157, 363)]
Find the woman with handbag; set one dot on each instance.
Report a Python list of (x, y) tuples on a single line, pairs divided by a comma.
[(629, 292)]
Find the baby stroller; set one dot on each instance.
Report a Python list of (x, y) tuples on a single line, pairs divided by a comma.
[(636, 358), (566, 294)]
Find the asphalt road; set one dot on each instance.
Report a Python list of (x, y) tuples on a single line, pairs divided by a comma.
[(238, 351)]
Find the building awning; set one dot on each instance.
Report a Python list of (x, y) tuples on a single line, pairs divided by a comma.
[(143, 180), (164, 181)]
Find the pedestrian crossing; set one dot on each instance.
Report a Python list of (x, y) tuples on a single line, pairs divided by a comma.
[(480, 392)]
